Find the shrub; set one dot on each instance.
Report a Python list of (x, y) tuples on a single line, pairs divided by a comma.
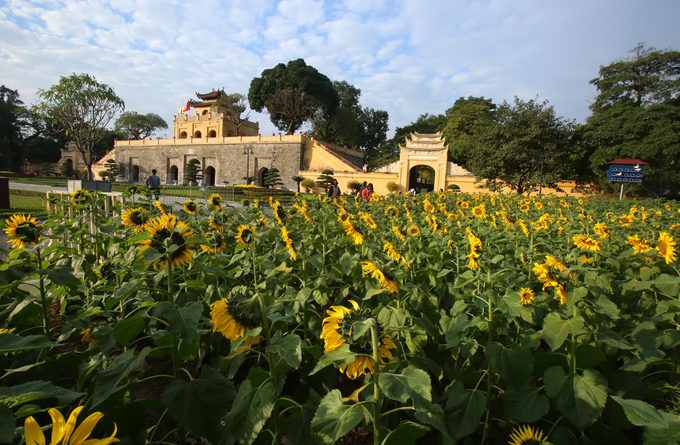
[(308, 184), (392, 186), (354, 186), (453, 187)]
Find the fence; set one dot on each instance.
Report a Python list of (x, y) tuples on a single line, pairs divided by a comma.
[(173, 193)]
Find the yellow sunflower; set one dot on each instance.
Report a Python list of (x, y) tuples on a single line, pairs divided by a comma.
[(625, 220), (219, 219), (87, 337), (65, 432), (639, 245), (526, 295), (428, 206), (479, 211), (602, 230), (22, 230), (524, 227), (215, 200), (279, 213), (233, 316), (190, 207), (397, 232), (548, 273), (368, 220), (289, 243), (245, 235), (136, 219), (6, 331), (413, 230), (166, 230), (538, 205), (391, 211), (524, 208), (392, 252), (585, 242), (353, 232), (338, 330), (527, 436), (666, 247), (475, 247), (213, 243), (374, 272), (80, 196)]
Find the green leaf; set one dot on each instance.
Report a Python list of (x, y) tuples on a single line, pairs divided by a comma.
[(412, 384), (128, 329), (580, 398), (642, 414), (405, 433), (667, 284), (17, 343), (334, 419), (663, 436), (108, 380), (251, 409), (465, 413), (607, 307), (6, 424), (515, 364), (435, 417), (453, 329), (340, 357), (556, 330), (128, 288), (60, 275), (392, 317), (212, 392), (151, 255), (36, 390), (288, 347), (611, 338), (183, 321), (526, 404)]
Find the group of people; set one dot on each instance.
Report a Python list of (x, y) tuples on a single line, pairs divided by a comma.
[(366, 190)]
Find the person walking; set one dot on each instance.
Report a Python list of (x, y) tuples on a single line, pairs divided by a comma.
[(334, 190), (368, 192), (362, 188), (153, 183)]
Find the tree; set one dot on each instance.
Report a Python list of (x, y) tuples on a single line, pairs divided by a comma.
[(462, 120), (298, 180), (112, 170), (232, 105), (325, 179), (82, 107), (192, 173), (636, 114), (308, 184), (18, 127), (46, 169), (525, 138), (292, 94), (139, 126), (272, 178)]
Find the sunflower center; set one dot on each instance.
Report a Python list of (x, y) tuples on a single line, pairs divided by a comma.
[(158, 242), (137, 218), (28, 232), (362, 344)]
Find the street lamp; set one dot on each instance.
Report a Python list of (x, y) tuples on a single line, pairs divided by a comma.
[(248, 151)]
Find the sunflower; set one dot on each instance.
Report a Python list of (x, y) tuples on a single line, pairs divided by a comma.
[(190, 207), (548, 273), (161, 208), (479, 211), (63, 431), (432, 221), (87, 337), (391, 211), (475, 246), (353, 232), (219, 220), (527, 436), (213, 243), (80, 196), (526, 295), (452, 216), (22, 230), (245, 235), (136, 219), (397, 232), (625, 220), (167, 230), (429, 208), (602, 230), (585, 242), (524, 208), (413, 230), (538, 205), (215, 200), (6, 331), (639, 245), (289, 243), (232, 317), (368, 220), (375, 272), (261, 223), (279, 213), (392, 252), (524, 227), (338, 330), (666, 247)]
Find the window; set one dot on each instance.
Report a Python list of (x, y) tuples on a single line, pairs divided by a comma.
[(183, 135)]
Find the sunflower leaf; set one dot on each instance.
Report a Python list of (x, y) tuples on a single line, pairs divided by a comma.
[(360, 327), (251, 409), (579, 397), (107, 381), (16, 343), (412, 384), (340, 357), (288, 347), (526, 405), (334, 419), (151, 255), (183, 321)]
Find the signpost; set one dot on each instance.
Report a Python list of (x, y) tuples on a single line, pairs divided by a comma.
[(625, 171)]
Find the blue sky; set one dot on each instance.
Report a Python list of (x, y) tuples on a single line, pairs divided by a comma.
[(407, 57)]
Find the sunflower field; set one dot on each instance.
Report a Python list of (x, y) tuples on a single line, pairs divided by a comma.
[(437, 319)]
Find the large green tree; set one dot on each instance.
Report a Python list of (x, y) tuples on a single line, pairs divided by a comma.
[(523, 139), (233, 106), (462, 121), (82, 108), (18, 128), (352, 125), (292, 94), (636, 114), (139, 126)]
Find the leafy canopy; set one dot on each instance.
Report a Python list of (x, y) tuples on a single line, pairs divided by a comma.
[(139, 126), (233, 106), (292, 94), (462, 121)]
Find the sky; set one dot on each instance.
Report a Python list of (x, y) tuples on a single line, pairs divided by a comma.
[(408, 57)]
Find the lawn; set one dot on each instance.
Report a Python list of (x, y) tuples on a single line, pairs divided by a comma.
[(24, 201)]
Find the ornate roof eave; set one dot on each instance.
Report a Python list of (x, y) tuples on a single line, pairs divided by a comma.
[(211, 95)]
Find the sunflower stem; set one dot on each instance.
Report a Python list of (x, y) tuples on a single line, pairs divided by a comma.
[(43, 296), (272, 367), (175, 340), (376, 388)]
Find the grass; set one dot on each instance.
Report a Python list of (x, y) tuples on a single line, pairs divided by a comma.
[(25, 202)]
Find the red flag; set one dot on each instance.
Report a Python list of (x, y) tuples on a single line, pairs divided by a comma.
[(188, 107)]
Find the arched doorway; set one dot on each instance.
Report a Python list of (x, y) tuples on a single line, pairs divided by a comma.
[(197, 134), (209, 177), (68, 167), (173, 174), (183, 135), (421, 178), (135, 173), (259, 180), (204, 112), (213, 134)]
